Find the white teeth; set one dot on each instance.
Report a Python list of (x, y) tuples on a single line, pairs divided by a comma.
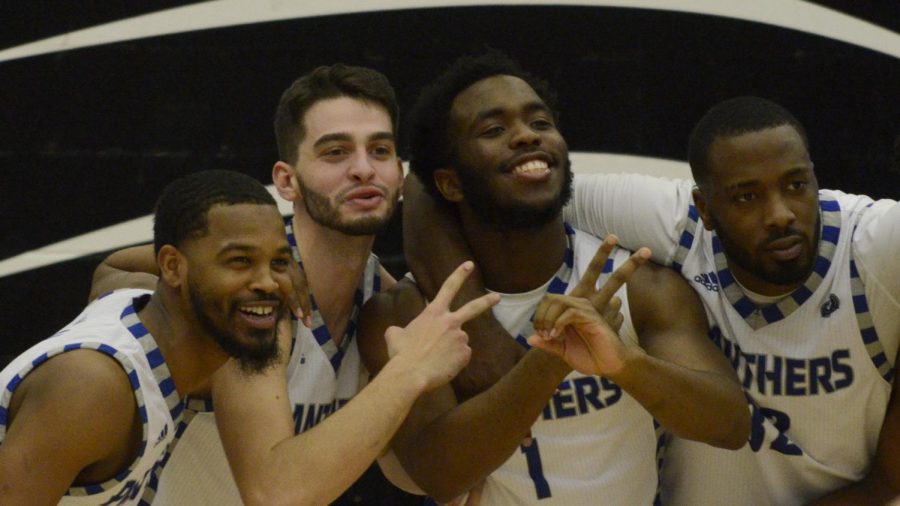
[(531, 166), (258, 310)]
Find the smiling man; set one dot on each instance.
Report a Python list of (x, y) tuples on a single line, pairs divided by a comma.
[(486, 145), (304, 430), (85, 416)]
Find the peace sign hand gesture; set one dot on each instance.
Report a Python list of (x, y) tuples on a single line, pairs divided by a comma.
[(582, 327)]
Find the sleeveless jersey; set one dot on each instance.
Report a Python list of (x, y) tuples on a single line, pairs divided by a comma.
[(321, 378), (816, 366), (593, 443), (813, 368), (110, 325)]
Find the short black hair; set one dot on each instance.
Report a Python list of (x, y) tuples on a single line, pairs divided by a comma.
[(181, 211), (431, 147), (736, 116), (323, 83)]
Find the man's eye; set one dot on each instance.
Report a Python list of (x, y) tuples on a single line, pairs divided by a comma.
[(744, 197), (798, 185), (491, 131), (382, 151), (280, 264), (239, 260), (335, 152), (541, 124)]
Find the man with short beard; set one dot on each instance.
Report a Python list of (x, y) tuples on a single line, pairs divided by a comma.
[(305, 430), (86, 415), (486, 145), (801, 285)]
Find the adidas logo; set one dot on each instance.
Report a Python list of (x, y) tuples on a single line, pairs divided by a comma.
[(709, 281)]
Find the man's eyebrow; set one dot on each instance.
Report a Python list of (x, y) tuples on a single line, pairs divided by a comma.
[(337, 136), (246, 248), (489, 113), (382, 136), (235, 246), (530, 107), (797, 171), (537, 106), (740, 185)]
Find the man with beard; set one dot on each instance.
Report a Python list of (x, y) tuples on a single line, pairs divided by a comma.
[(85, 415), (485, 142), (801, 286), (339, 166)]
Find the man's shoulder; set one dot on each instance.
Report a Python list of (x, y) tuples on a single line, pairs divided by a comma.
[(402, 298)]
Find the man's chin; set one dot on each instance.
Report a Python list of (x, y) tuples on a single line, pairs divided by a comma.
[(789, 275), (258, 360)]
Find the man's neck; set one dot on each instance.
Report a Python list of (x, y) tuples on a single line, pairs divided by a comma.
[(191, 356), (515, 261), (333, 263)]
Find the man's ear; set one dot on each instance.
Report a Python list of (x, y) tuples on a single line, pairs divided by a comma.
[(447, 182), (285, 181), (702, 209), (172, 266)]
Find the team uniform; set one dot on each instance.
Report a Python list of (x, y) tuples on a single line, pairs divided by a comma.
[(322, 377), (593, 443), (110, 325), (816, 365)]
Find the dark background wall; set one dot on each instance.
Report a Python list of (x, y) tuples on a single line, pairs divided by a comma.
[(89, 137)]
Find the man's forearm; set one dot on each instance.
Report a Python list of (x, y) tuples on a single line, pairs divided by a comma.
[(696, 405), (463, 446), (316, 466)]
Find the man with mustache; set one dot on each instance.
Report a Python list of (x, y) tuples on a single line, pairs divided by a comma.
[(86, 415), (338, 164), (801, 288), (486, 144)]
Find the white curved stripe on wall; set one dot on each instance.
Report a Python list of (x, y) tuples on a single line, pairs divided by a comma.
[(791, 14), (140, 230)]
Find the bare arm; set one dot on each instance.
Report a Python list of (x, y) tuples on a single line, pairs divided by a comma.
[(437, 445), (133, 267), (272, 466), (59, 435), (683, 380), (434, 246), (883, 481), (678, 375)]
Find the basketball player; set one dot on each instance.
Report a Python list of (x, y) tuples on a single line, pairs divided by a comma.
[(801, 288), (335, 130), (86, 414), (485, 140)]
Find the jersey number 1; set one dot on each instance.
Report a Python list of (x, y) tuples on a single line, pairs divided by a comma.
[(536, 469)]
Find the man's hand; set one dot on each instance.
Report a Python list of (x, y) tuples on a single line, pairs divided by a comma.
[(582, 327), (434, 342)]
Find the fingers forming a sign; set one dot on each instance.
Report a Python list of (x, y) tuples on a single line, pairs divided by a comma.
[(582, 327), (434, 341)]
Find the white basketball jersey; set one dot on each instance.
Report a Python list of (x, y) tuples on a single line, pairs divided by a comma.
[(321, 378), (813, 368), (593, 443), (110, 325), (816, 366)]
